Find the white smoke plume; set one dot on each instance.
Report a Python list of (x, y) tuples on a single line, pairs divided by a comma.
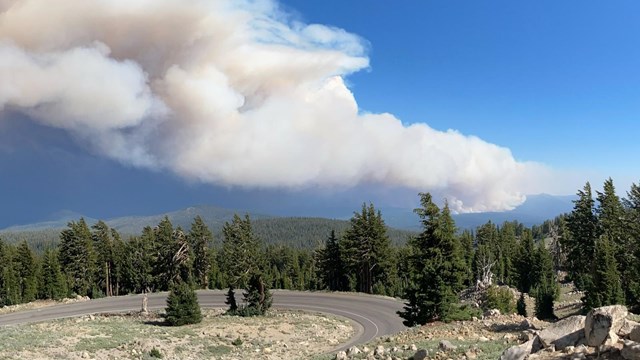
[(232, 92)]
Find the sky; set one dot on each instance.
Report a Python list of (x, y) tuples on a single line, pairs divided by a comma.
[(311, 107)]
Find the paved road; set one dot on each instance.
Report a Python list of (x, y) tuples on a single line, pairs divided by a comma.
[(372, 316)]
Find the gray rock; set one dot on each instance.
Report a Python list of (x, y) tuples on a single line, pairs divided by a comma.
[(353, 351), (420, 354), (491, 313), (519, 352), (627, 328), (631, 350), (603, 323), (446, 345), (341, 355), (634, 335), (566, 332), (379, 351)]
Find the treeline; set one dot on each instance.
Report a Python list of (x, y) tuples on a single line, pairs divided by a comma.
[(296, 232), (597, 244)]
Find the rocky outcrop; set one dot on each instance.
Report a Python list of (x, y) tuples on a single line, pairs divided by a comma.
[(630, 350), (604, 330), (602, 325), (567, 332)]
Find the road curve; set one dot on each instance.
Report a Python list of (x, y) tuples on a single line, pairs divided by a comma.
[(372, 316)]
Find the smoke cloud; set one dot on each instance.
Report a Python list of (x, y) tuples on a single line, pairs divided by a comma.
[(232, 92)]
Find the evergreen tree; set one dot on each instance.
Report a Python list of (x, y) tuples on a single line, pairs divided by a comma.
[(120, 264), (78, 258), (173, 255), (437, 266), (331, 271), (9, 277), (26, 267), (53, 285), (545, 288), (231, 301), (103, 244), (606, 288), (525, 260), (366, 249), (521, 305), (632, 216), (466, 243), (257, 296), (201, 239), (140, 260), (582, 225), (182, 305), (241, 251), (611, 217)]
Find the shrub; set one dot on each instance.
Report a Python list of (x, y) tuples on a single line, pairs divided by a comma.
[(501, 299), (236, 342), (182, 306), (464, 312), (155, 353)]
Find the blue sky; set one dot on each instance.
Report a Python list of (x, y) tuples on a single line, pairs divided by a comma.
[(554, 82)]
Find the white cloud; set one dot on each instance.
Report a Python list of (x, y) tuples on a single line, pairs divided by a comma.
[(232, 92)]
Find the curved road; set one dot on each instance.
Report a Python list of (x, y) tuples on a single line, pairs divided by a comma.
[(372, 316)]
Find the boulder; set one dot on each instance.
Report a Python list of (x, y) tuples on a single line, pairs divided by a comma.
[(631, 350), (379, 351), (420, 354), (627, 328), (341, 355), (566, 332), (353, 351), (603, 323), (446, 345), (634, 335), (491, 313), (522, 351)]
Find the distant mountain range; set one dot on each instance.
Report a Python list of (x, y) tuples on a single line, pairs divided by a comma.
[(297, 231)]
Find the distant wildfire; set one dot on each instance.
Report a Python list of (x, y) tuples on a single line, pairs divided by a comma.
[(232, 92)]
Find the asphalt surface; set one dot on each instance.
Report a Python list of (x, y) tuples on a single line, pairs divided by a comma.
[(372, 316)]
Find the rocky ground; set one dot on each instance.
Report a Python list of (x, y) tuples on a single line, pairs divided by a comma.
[(605, 333), (280, 335), (39, 304)]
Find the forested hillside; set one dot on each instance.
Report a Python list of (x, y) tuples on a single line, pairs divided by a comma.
[(296, 232)]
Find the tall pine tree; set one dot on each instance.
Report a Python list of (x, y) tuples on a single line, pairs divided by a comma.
[(437, 266), (331, 271), (605, 287), (582, 225), (241, 251), (201, 240), (366, 250)]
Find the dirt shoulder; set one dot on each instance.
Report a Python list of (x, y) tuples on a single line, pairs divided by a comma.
[(279, 335)]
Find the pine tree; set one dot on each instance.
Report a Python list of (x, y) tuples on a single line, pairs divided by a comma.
[(200, 238), (632, 216), (582, 225), (9, 277), (182, 305), (606, 288), (257, 296), (241, 251), (545, 288), (611, 217), (366, 249), (466, 243), (231, 301), (27, 267), (521, 305), (78, 258), (173, 255), (103, 244), (437, 266), (331, 270), (525, 260), (53, 284)]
